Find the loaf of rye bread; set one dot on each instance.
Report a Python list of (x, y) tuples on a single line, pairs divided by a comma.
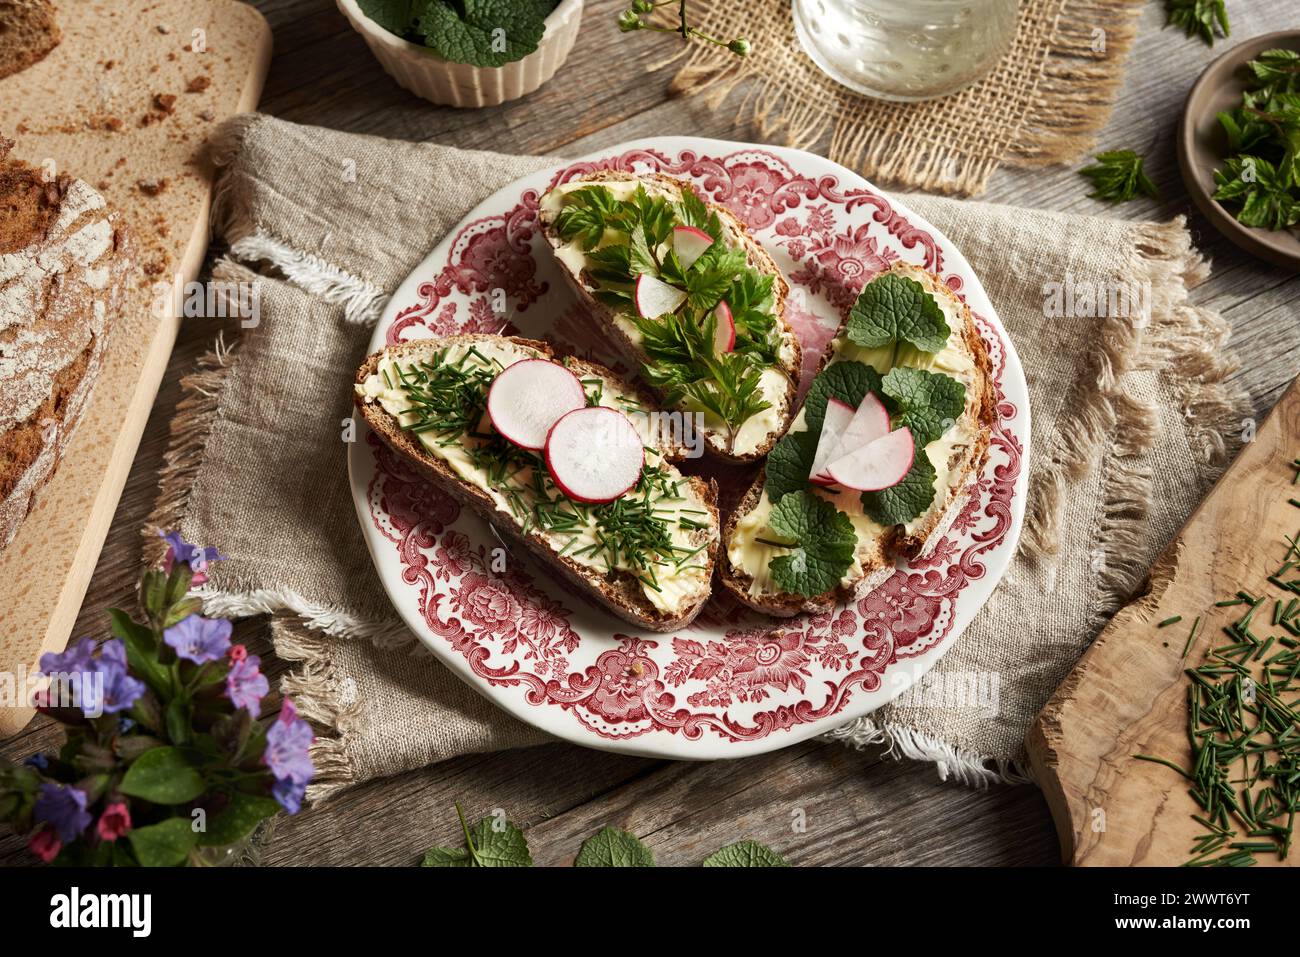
[(28, 31), (64, 271)]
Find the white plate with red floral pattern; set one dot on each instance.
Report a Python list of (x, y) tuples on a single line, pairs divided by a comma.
[(734, 683)]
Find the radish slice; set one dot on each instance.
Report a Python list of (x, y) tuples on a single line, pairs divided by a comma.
[(529, 397), (595, 454), (689, 243), (724, 336), (881, 464), (870, 422), (839, 415), (654, 297)]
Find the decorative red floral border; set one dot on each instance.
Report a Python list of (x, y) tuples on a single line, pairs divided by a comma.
[(756, 679)]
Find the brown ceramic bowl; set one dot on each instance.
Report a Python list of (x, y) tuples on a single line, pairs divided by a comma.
[(1202, 146)]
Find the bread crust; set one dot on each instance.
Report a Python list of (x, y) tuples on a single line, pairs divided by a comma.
[(897, 542), (66, 263), (620, 592), (632, 352)]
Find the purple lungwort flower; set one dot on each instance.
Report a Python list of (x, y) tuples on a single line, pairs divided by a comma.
[(75, 659), (196, 556), (287, 741), (246, 686), (63, 807), (199, 639), (289, 794), (120, 689), (72, 675)]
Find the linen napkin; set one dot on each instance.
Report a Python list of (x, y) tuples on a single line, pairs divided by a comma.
[(1130, 421)]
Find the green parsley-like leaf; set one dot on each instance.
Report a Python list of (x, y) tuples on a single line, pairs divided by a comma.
[(1207, 19), (1117, 177), (1266, 195), (893, 308), (585, 214), (745, 854), (1278, 71), (908, 499), (483, 32), (610, 847), (822, 542), (847, 381), (928, 403)]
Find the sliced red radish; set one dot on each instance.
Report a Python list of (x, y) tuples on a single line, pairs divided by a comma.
[(529, 397), (870, 422), (594, 454), (654, 297), (839, 415), (724, 334), (689, 244), (881, 464)]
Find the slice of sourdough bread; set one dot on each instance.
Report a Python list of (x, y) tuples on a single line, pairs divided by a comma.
[(680, 595), (28, 31), (65, 264), (959, 457), (779, 384)]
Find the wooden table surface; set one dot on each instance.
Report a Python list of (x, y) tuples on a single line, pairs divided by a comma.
[(818, 802)]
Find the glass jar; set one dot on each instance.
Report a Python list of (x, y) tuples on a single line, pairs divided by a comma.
[(905, 49)]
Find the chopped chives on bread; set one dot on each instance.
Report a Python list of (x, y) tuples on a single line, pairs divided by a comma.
[(64, 269), (751, 439), (958, 457), (427, 401)]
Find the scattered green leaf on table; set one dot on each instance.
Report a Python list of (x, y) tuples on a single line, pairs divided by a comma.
[(610, 847), (1207, 19), (745, 854), (1118, 176)]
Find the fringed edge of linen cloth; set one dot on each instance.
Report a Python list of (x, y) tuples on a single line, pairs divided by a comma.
[(250, 242), (1072, 97), (1185, 343), (317, 693)]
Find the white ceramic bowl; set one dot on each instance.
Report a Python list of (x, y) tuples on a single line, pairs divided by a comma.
[(429, 76)]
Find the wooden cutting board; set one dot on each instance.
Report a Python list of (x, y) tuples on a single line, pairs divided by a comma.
[(99, 107), (1128, 693)]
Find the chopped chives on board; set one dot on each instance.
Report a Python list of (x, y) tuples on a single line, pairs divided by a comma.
[(1243, 728)]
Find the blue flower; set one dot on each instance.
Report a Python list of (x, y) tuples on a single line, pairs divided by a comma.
[(75, 660), (199, 639), (196, 556), (38, 761), (287, 743), (289, 794), (246, 686), (120, 689), (63, 807)]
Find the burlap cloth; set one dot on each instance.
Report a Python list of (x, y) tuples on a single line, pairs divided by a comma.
[(1130, 419), (1042, 103)]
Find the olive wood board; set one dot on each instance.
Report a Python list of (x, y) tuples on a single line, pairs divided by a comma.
[(1128, 693), (98, 108)]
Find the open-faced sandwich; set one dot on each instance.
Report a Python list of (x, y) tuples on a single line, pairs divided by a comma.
[(690, 298), (892, 434), (560, 454)]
